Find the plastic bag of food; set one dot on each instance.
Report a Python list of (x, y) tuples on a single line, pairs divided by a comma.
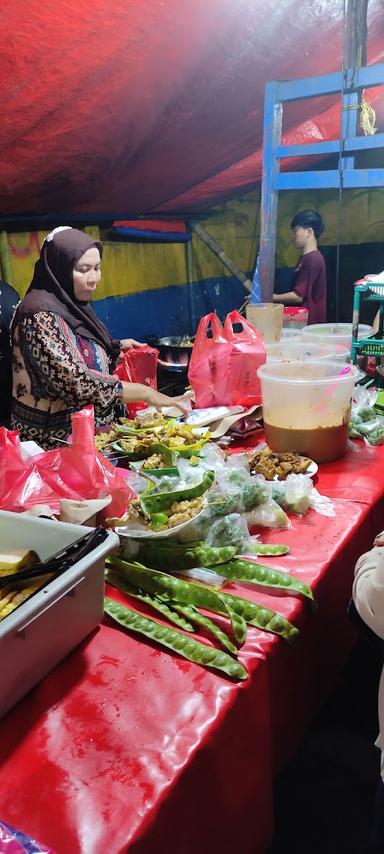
[(231, 530), (298, 488), (268, 515), (365, 423), (196, 530), (16, 842), (321, 503), (297, 495)]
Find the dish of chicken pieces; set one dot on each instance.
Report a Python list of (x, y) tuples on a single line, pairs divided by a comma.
[(274, 466)]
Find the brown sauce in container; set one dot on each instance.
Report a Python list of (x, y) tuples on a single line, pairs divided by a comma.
[(322, 444)]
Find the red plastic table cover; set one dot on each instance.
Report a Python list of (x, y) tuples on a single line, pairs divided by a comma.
[(124, 747)]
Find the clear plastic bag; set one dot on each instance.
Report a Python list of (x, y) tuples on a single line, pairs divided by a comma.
[(365, 423), (297, 495), (232, 530), (321, 504), (298, 488), (268, 515)]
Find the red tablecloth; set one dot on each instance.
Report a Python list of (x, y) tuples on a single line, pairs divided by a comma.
[(126, 748)]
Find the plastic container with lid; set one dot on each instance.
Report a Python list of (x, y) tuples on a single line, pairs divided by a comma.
[(331, 334), (296, 350), (306, 407), (295, 317)]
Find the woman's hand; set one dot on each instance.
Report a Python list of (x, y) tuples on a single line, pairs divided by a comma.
[(128, 343), (134, 392), (157, 399)]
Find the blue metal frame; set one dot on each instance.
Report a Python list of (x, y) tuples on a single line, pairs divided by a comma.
[(277, 93)]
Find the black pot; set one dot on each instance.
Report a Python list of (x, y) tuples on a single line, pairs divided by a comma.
[(172, 370), (174, 352)]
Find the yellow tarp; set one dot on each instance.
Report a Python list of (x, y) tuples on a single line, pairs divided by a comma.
[(130, 268)]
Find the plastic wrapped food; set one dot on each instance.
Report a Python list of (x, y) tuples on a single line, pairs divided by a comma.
[(366, 423), (268, 515)]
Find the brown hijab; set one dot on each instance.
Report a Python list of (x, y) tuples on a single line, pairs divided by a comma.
[(51, 288)]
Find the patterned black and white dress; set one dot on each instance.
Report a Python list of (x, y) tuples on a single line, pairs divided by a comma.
[(56, 373)]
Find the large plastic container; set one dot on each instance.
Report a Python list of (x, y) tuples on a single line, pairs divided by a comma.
[(306, 407), (331, 334), (45, 628), (296, 350), (340, 353)]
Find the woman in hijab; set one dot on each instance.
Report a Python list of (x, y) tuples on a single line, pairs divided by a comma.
[(62, 354)]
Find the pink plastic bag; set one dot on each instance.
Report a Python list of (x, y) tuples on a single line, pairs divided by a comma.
[(78, 472), (138, 365), (223, 368)]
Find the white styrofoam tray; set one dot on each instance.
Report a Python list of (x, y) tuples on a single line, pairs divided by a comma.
[(45, 628)]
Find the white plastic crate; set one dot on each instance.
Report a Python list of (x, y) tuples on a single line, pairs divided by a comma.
[(45, 628)]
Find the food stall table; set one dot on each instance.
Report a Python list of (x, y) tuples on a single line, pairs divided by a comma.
[(124, 747)]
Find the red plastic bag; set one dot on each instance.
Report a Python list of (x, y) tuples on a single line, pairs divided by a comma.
[(223, 368), (78, 472), (138, 365), (207, 363)]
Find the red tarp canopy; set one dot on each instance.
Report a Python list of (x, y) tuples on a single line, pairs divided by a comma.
[(142, 106)]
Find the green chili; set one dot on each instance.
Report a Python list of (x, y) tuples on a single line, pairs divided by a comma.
[(156, 503), (188, 647), (265, 577), (159, 520)]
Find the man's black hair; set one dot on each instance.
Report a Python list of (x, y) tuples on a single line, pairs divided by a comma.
[(309, 219)]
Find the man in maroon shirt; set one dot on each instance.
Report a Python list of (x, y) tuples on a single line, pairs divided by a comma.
[(309, 284)]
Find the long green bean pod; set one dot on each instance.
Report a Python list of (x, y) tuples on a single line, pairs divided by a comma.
[(159, 605), (262, 618), (155, 503), (269, 550), (186, 592), (174, 557), (268, 579), (192, 614), (188, 647)]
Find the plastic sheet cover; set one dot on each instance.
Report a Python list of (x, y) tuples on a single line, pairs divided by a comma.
[(132, 107)]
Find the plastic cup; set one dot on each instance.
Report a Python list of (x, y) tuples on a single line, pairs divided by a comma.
[(267, 317), (306, 407)]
